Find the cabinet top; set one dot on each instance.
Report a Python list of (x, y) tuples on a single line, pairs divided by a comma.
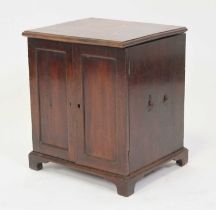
[(104, 32)]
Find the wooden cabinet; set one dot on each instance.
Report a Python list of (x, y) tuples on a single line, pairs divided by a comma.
[(107, 97)]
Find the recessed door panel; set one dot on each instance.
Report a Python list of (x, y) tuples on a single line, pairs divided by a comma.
[(51, 69), (99, 79)]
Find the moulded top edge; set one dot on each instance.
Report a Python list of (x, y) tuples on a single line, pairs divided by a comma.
[(104, 32)]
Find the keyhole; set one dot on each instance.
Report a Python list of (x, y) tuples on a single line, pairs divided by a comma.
[(150, 103), (78, 105), (165, 98)]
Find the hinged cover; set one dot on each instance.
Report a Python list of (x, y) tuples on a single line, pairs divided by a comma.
[(113, 33)]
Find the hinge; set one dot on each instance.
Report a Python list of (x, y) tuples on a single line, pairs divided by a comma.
[(128, 155)]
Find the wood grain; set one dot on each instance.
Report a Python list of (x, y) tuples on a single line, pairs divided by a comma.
[(156, 99), (96, 31), (100, 88), (116, 111), (99, 84), (50, 67), (125, 184)]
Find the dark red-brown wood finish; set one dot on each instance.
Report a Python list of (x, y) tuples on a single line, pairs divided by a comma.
[(79, 103), (104, 32), (116, 112), (100, 89), (156, 99), (50, 75)]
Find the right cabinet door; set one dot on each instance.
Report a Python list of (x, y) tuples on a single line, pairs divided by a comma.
[(100, 92)]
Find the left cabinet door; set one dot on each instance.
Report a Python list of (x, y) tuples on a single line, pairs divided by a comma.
[(50, 75)]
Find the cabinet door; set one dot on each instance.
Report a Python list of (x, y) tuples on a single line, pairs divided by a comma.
[(100, 89), (50, 73)]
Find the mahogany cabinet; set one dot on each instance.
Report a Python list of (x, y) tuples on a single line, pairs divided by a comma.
[(107, 97)]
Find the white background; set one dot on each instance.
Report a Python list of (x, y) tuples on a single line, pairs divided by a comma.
[(56, 187)]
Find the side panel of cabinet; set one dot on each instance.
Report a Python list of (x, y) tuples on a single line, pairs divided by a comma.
[(156, 99), (50, 73), (101, 108)]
